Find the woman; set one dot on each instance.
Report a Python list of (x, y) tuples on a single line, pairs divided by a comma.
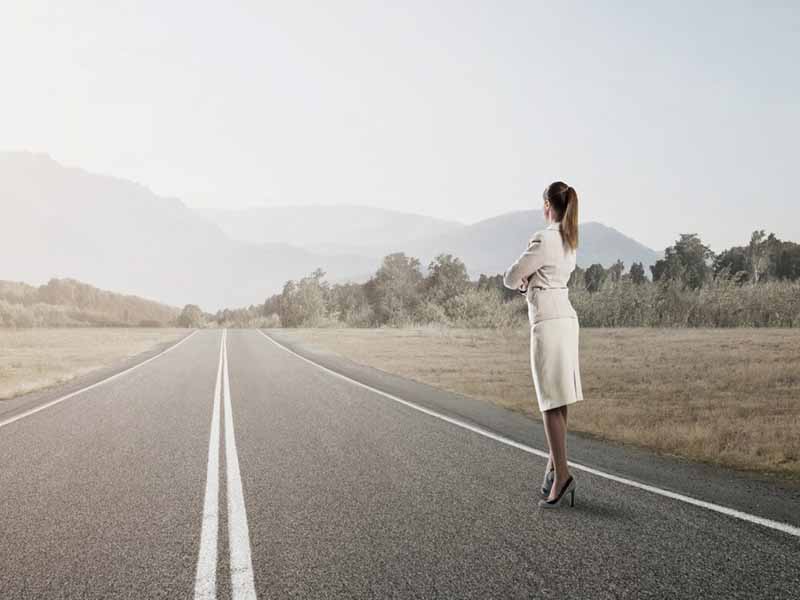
[(541, 273)]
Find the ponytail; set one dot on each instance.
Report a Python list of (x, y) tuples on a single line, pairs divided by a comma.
[(564, 200), (569, 224)]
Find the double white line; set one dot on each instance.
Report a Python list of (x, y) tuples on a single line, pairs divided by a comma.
[(241, 566)]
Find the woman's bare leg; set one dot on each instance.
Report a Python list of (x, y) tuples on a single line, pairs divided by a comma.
[(550, 459), (555, 425), (564, 417)]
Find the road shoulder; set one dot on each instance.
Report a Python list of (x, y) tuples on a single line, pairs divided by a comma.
[(759, 494), (31, 400)]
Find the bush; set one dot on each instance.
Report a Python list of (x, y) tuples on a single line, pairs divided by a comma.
[(431, 313), (723, 302), (191, 316), (150, 323), (621, 304), (483, 309)]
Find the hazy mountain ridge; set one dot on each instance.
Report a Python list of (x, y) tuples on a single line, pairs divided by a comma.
[(488, 246), (491, 245), (63, 222), (339, 229), (119, 235)]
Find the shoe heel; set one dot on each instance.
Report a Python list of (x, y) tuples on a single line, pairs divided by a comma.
[(548, 482)]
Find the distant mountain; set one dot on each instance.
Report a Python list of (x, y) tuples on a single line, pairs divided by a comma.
[(60, 222), (64, 222), (341, 229), (490, 246)]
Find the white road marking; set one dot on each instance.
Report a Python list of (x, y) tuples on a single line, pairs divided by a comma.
[(241, 566), (36, 409), (205, 581), (777, 525)]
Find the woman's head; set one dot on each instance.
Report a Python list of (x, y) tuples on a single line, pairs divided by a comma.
[(561, 206)]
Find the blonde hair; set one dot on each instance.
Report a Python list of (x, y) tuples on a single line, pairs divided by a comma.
[(564, 201)]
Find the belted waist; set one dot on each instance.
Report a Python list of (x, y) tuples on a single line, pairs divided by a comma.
[(549, 303)]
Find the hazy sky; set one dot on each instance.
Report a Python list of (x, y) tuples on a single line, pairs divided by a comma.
[(667, 118)]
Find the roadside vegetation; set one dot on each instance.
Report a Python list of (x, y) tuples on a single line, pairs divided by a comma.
[(70, 303), (36, 358), (757, 285)]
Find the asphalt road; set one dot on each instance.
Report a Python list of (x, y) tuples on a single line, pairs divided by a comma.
[(237, 469)]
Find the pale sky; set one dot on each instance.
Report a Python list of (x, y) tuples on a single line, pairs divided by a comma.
[(667, 117)]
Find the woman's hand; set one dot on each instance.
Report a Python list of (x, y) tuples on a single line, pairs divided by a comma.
[(523, 287), (518, 275)]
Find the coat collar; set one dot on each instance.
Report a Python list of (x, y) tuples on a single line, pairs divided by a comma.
[(554, 226)]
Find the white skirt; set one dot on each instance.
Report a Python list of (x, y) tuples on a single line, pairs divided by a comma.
[(554, 362)]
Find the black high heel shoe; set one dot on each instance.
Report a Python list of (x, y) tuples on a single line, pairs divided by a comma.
[(569, 488), (548, 482)]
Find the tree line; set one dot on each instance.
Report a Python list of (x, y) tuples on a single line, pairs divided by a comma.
[(753, 285), (71, 303), (397, 295)]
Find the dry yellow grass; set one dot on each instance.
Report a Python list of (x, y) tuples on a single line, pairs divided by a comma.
[(728, 396), (31, 359)]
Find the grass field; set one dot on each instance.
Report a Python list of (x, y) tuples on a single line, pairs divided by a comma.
[(728, 396), (31, 359)]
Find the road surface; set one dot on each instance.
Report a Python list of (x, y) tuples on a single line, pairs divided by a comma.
[(236, 465)]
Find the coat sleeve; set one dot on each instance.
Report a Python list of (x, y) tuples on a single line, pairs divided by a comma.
[(517, 275)]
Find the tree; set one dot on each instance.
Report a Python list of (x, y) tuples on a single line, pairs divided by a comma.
[(637, 273), (759, 251), (349, 304), (304, 302), (577, 281), (495, 282), (595, 276), (191, 316), (616, 270), (687, 261), (734, 261), (271, 306), (447, 278), (787, 261), (394, 290)]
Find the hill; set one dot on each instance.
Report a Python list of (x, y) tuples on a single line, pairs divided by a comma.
[(491, 245), (340, 229), (63, 222), (488, 246), (66, 302), (66, 222)]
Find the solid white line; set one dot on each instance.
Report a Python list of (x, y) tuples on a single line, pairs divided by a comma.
[(36, 409), (242, 584), (777, 525), (205, 581)]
